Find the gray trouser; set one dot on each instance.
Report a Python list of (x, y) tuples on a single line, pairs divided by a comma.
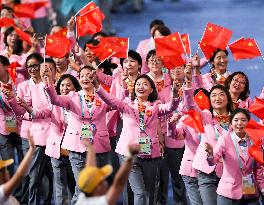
[(221, 200), (192, 189), (207, 186)]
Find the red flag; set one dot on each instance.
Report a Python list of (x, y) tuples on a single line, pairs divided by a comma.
[(257, 108), (245, 48), (255, 131), (12, 70), (23, 35), (169, 45), (27, 10), (57, 46), (89, 23), (174, 61), (110, 46), (194, 120), (202, 100), (214, 37), (186, 42), (90, 6), (61, 33), (5, 22), (257, 153)]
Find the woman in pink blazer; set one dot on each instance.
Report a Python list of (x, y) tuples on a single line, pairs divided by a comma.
[(216, 125), (140, 114), (238, 85), (87, 121), (242, 175)]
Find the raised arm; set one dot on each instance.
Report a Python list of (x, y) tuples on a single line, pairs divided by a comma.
[(21, 170), (105, 79), (121, 176)]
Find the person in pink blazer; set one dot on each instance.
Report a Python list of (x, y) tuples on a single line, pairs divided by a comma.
[(238, 85), (218, 73), (216, 125), (242, 175), (146, 45), (140, 114), (87, 121)]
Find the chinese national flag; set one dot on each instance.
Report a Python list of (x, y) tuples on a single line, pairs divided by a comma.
[(214, 37), (23, 35), (186, 42), (57, 46), (12, 70), (202, 100), (110, 46), (5, 22), (245, 48), (169, 45), (27, 10), (194, 121), (257, 153), (61, 33), (174, 61), (90, 6), (89, 23), (257, 108), (255, 131)]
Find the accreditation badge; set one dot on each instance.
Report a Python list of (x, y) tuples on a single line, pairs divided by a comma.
[(145, 145), (248, 185), (87, 131), (10, 124)]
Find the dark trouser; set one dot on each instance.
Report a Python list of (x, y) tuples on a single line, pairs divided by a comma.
[(192, 189), (103, 159), (114, 157), (173, 157), (207, 186), (221, 200), (63, 180), (9, 145)]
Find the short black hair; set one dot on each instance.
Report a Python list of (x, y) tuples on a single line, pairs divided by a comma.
[(134, 55), (101, 33), (35, 56), (164, 31), (8, 9), (4, 61), (74, 81), (214, 54), (151, 53), (49, 60), (156, 22), (92, 42), (239, 110), (153, 96), (245, 93)]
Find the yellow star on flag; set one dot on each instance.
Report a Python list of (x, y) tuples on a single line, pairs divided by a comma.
[(92, 7), (123, 43), (110, 50), (210, 29), (173, 38), (200, 97), (50, 40), (183, 39), (250, 44)]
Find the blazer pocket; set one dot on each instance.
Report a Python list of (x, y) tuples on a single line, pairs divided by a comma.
[(228, 180)]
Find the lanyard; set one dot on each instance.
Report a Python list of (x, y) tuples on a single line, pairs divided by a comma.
[(89, 105), (2, 102), (237, 152), (142, 125)]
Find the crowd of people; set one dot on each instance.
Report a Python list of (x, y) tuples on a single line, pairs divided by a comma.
[(75, 130)]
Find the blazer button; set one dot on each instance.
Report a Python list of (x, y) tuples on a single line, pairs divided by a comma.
[(53, 143)]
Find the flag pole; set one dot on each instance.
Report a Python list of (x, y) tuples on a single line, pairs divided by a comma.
[(190, 46), (127, 46), (44, 57), (183, 47), (105, 60), (76, 31)]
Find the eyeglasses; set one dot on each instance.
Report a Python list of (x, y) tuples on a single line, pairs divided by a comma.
[(33, 66), (157, 61), (239, 81)]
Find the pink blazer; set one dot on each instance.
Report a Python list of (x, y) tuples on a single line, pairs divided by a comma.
[(169, 129), (72, 139), (230, 184), (212, 131), (131, 120), (40, 127)]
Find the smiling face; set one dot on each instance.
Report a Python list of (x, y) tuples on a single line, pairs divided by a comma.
[(177, 73), (12, 38), (66, 86), (48, 70), (61, 63), (143, 88), (155, 64), (218, 99), (89, 54), (86, 78), (237, 84), (131, 65), (33, 68), (220, 62), (239, 122)]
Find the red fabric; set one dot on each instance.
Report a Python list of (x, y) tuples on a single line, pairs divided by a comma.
[(90, 6), (110, 46), (255, 131), (257, 108), (202, 100), (12, 70), (174, 61), (61, 33), (57, 46), (23, 35), (245, 48), (214, 37), (27, 10), (169, 45), (89, 23), (257, 153), (5, 22), (194, 121), (186, 42)]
